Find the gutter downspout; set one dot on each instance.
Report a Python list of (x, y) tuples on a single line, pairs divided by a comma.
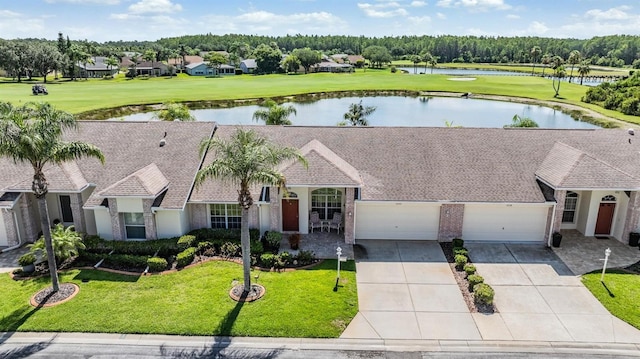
[(553, 219), (15, 222)]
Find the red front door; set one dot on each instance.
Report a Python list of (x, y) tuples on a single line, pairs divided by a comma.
[(605, 218), (290, 216)]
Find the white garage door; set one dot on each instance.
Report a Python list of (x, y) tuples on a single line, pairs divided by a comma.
[(504, 222), (404, 220)]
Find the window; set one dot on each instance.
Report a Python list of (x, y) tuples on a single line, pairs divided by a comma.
[(225, 215), (326, 201), (608, 198), (65, 209), (570, 205), (134, 225)]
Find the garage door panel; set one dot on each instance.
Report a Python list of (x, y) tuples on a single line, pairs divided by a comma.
[(504, 223), (397, 221)]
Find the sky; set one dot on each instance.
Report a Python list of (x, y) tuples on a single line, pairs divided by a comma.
[(112, 20)]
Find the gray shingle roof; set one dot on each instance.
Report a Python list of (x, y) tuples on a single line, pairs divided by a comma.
[(67, 177), (145, 182)]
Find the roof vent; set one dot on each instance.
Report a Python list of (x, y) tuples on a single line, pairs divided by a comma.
[(163, 141), (631, 131)]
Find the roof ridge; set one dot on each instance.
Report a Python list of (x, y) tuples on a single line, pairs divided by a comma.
[(333, 158)]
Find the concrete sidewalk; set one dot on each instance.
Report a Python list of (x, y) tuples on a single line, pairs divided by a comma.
[(406, 291)]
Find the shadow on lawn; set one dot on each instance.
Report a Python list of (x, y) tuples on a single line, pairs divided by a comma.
[(220, 346), (13, 322), (87, 275)]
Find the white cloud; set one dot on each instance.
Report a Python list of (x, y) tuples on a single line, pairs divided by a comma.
[(537, 28), (124, 17), (98, 2), (616, 13), (419, 20), (154, 7), (475, 4), (14, 25), (441, 16), (376, 10), (418, 3), (513, 17), (267, 22)]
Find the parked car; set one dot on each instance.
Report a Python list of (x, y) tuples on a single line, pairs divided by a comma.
[(39, 89)]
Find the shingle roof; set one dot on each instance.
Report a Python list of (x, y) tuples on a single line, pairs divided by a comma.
[(67, 177), (8, 199), (127, 147), (145, 182)]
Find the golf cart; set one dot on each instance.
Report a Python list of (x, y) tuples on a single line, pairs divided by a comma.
[(39, 89)]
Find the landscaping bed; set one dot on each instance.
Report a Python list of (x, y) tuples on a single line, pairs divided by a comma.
[(474, 304)]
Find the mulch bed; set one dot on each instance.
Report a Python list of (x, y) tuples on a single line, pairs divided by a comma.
[(237, 293), (463, 284), (47, 298)]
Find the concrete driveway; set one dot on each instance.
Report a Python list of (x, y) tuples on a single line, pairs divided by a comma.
[(9, 260), (406, 291)]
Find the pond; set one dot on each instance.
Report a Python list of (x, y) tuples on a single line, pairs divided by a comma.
[(399, 111), (454, 71)]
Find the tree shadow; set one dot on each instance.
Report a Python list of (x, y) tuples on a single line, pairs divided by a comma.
[(87, 275), (25, 351), (220, 346), (10, 324)]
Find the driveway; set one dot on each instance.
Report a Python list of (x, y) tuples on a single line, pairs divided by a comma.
[(9, 260), (407, 291)]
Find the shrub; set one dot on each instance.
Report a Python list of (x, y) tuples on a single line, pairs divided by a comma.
[(254, 234), (186, 241), (474, 279), (206, 248), (393, 69), (164, 247), (294, 241), (185, 257), (95, 244), (256, 247), (267, 260), (461, 250), (305, 258), (126, 261), (26, 259), (457, 243), (286, 258), (157, 264), (470, 269), (274, 239), (483, 294), (460, 260), (229, 249)]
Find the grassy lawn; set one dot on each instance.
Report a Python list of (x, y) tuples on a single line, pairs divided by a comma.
[(194, 301), (620, 296), (81, 95)]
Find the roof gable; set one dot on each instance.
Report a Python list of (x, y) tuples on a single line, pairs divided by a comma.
[(568, 167), (145, 182), (325, 168), (66, 177)]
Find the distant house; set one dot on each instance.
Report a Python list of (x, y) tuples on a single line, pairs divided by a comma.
[(180, 64), (248, 66), (97, 69), (202, 69), (347, 59), (151, 68), (330, 66)]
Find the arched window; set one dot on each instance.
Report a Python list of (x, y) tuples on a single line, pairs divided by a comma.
[(570, 205), (326, 201), (608, 198)]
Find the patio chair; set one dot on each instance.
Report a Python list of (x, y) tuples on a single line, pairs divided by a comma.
[(336, 222), (314, 221)]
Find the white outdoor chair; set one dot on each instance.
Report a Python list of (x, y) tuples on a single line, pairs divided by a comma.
[(336, 222), (314, 221)]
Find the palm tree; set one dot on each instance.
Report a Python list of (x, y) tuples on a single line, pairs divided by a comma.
[(518, 121), (111, 62), (274, 114), (150, 55), (416, 59), (357, 115), (583, 70), (433, 62), (546, 60), (66, 243), (32, 134), (174, 112), (557, 64), (246, 159), (574, 58), (535, 53)]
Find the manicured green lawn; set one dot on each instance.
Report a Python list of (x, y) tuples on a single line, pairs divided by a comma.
[(81, 95), (194, 301), (620, 295)]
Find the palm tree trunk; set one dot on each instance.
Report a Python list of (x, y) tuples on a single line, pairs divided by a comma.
[(46, 232), (246, 249)]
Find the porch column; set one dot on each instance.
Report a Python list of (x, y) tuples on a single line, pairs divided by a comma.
[(29, 220), (149, 219), (198, 215), (274, 209), (451, 218), (557, 221), (632, 220), (548, 225), (10, 227), (253, 217), (117, 228), (349, 216), (79, 222)]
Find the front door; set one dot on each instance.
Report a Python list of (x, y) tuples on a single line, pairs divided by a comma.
[(605, 218), (290, 221)]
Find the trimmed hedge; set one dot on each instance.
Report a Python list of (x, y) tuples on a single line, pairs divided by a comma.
[(460, 260), (460, 250), (164, 247), (474, 280), (470, 269), (483, 294), (157, 264), (126, 261), (186, 241), (185, 257), (230, 249), (457, 243)]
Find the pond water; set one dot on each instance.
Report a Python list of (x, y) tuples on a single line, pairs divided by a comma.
[(452, 71), (399, 111)]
